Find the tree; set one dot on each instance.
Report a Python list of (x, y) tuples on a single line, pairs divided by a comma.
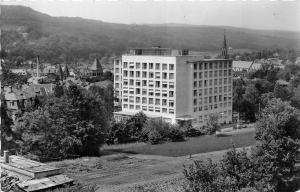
[(295, 100), (282, 92), (250, 103), (277, 135), (238, 91), (8, 136), (10, 79), (212, 124), (56, 130)]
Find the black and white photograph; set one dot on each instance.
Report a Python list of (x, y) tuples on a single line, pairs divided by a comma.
[(150, 95)]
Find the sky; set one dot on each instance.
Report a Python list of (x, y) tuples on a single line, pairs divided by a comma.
[(255, 14)]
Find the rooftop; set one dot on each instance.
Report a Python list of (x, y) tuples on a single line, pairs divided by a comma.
[(158, 51)]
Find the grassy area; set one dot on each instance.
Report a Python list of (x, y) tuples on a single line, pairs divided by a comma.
[(196, 145)]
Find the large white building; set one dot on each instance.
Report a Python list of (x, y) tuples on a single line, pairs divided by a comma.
[(173, 85)]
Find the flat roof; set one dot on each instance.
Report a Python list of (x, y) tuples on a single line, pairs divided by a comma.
[(132, 113)]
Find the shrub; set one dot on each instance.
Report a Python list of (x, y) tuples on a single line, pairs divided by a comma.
[(212, 125), (176, 134), (154, 137), (193, 133)]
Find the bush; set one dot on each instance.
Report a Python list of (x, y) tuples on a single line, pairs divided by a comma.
[(193, 133), (176, 135), (154, 137)]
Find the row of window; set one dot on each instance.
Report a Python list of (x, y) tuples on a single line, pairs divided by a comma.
[(211, 99), (211, 107), (150, 108), (151, 66), (150, 84), (212, 82), (149, 92), (205, 117), (212, 65), (149, 101), (144, 74), (210, 74), (211, 91)]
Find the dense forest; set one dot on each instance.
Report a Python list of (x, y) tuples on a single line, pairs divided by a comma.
[(26, 33)]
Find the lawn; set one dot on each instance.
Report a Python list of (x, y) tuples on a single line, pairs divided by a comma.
[(195, 145)]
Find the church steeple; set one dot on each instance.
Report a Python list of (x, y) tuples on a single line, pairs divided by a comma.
[(224, 48), (66, 71), (60, 73)]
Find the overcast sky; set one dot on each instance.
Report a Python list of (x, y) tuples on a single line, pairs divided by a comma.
[(250, 14)]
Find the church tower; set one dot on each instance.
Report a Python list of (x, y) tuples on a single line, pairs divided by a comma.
[(224, 48)]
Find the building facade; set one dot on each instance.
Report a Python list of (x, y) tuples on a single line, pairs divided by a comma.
[(173, 85)]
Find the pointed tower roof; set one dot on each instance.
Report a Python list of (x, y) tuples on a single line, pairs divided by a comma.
[(224, 48), (60, 72), (96, 65), (66, 71)]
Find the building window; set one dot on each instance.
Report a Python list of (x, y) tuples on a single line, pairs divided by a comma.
[(195, 75), (200, 83), (164, 110), (195, 66), (195, 93), (171, 67), (195, 84), (138, 74), (150, 101), (151, 75), (171, 76), (171, 93), (144, 83), (157, 84), (125, 73), (157, 75), (137, 65), (164, 75), (131, 73), (144, 65), (201, 66), (200, 75), (205, 74), (144, 100), (138, 107), (216, 65), (171, 103), (210, 73), (205, 66), (195, 102), (210, 65), (157, 66), (164, 67), (138, 91), (131, 82), (157, 101), (125, 106), (150, 65), (125, 64), (164, 102), (144, 74)]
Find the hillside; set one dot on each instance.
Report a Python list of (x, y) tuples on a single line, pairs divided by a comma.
[(27, 32)]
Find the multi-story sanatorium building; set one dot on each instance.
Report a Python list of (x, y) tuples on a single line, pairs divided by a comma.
[(173, 85)]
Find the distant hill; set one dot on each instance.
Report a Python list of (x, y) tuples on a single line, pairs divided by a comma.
[(27, 32)]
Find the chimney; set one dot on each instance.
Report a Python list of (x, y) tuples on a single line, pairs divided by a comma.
[(6, 156)]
